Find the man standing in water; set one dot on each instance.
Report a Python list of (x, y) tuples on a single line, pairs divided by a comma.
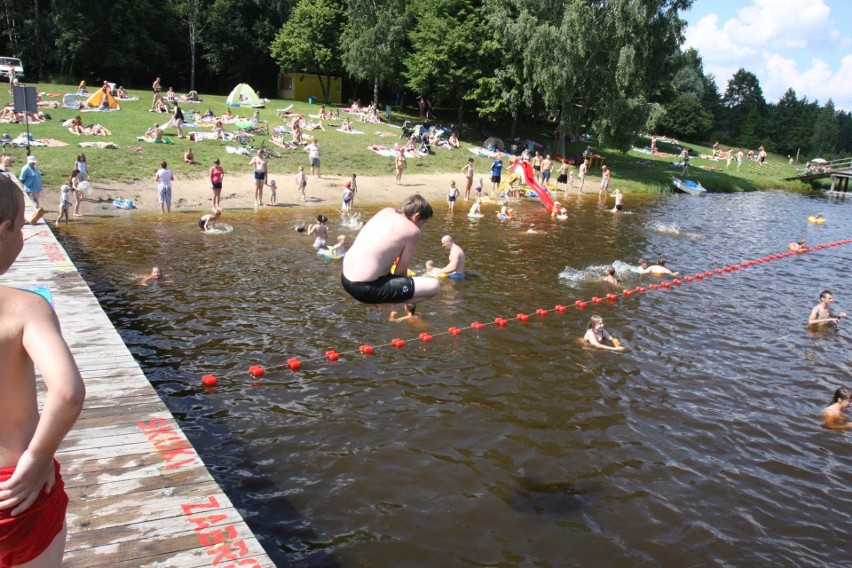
[(387, 240), (822, 313), (455, 266)]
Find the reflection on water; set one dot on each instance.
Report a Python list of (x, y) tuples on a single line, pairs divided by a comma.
[(513, 446)]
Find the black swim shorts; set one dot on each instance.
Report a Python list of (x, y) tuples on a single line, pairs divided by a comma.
[(389, 289)]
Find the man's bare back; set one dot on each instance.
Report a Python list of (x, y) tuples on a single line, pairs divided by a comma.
[(386, 236)]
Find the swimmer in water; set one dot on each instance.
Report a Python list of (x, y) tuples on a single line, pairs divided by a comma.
[(598, 337), (610, 275), (822, 313), (658, 269), (208, 221), (409, 314), (835, 418), (476, 208), (156, 275), (430, 268)]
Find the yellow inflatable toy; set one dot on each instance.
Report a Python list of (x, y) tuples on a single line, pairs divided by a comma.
[(818, 219)]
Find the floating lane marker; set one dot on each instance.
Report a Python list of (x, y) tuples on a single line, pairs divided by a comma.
[(295, 364)]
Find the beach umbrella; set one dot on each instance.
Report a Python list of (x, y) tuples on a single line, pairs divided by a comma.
[(819, 161), (494, 142)]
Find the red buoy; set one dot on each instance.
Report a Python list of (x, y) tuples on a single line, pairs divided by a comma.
[(580, 304), (596, 300), (454, 331), (628, 292), (256, 371), (560, 309), (541, 312), (294, 364), (522, 317), (366, 349), (500, 321), (332, 355), (653, 286), (397, 342), (687, 278), (476, 325), (209, 380)]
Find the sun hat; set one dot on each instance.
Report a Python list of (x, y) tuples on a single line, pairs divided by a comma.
[(65, 188), (31, 159)]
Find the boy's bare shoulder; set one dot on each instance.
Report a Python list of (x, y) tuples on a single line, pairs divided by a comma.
[(22, 304)]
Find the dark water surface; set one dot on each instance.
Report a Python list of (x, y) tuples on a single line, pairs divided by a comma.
[(700, 445)]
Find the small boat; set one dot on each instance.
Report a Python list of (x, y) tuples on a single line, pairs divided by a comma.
[(689, 186)]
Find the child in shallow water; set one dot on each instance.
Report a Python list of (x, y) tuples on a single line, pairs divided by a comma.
[(598, 337), (833, 413)]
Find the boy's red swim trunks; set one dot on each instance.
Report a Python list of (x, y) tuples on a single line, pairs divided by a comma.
[(26, 536)]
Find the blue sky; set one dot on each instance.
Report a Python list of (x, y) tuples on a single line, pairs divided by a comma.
[(803, 44)]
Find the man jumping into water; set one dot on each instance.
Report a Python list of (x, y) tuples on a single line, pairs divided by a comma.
[(389, 236)]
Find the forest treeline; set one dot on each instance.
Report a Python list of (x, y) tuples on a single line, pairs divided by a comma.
[(613, 69)]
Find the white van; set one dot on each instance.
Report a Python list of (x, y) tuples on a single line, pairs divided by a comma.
[(9, 63)]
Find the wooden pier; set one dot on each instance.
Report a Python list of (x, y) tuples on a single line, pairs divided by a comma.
[(139, 494)]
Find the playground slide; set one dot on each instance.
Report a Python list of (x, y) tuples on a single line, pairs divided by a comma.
[(525, 172)]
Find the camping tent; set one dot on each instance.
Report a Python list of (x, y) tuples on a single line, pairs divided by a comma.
[(96, 99), (243, 95)]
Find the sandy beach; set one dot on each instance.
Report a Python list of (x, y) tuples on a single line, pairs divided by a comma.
[(325, 191), (238, 192)]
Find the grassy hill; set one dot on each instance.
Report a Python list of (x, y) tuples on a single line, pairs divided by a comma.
[(341, 153)]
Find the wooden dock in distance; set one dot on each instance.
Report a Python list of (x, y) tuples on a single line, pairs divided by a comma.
[(139, 494)]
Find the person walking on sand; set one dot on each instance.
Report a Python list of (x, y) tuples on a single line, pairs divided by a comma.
[(353, 185), (301, 183), (496, 172), (399, 164), (822, 312), (164, 179), (314, 157), (33, 500), (389, 239), (258, 162), (217, 174), (467, 170)]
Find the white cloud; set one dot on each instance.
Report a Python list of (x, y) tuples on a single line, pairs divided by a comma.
[(785, 43)]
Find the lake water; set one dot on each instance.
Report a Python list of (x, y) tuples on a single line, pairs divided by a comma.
[(514, 446)]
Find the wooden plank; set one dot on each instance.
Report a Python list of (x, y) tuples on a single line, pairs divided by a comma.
[(139, 493)]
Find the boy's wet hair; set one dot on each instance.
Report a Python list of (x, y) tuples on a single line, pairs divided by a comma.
[(610, 270), (410, 308), (11, 201), (322, 218), (416, 204)]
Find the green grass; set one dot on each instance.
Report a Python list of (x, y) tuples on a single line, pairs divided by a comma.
[(342, 153)]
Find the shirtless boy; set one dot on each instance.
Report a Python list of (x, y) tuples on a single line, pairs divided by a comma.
[(822, 313), (32, 494), (389, 235), (658, 269)]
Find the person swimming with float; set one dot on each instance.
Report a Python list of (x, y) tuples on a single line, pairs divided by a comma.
[(835, 418), (455, 266), (598, 337), (389, 235)]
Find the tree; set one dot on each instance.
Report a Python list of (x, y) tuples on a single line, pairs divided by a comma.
[(687, 118), (446, 50), (600, 63), (373, 41), (826, 131), (744, 109), (308, 41)]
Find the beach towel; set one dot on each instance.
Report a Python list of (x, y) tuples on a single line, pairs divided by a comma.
[(349, 131)]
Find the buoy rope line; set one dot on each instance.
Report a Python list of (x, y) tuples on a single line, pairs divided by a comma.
[(295, 364)]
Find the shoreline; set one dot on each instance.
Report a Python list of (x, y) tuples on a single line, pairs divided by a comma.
[(326, 191)]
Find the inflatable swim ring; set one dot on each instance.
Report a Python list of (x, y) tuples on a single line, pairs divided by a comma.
[(503, 216), (326, 253), (475, 215), (817, 220)]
